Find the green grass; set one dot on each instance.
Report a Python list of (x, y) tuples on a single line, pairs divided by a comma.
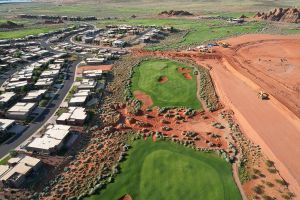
[(291, 30), (200, 31), (27, 31), (4, 160), (163, 170), (176, 91)]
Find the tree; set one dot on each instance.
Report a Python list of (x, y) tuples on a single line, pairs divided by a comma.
[(13, 153), (17, 54)]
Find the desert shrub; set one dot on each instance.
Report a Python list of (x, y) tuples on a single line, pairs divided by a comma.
[(243, 172), (286, 196), (266, 197), (256, 171), (269, 163), (269, 184), (258, 189), (272, 170), (13, 153), (43, 103), (66, 169), (281, 182), (253, 176), (217, 125)]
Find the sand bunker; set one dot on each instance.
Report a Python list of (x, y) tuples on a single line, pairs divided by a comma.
[(146, 99), (187, 76), (183, 70), (162, 79), (126, 197)]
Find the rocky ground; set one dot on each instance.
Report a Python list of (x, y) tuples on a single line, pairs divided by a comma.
[(175, 13), (291, 15)]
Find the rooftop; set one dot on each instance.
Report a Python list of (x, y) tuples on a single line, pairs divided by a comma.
[(6, 97), (5, 123), (22, 167), (53, 137), (34, 94), (22, 107)]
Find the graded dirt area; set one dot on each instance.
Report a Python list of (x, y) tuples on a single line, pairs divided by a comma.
[(273, 62), (80, 69), (269, 63)]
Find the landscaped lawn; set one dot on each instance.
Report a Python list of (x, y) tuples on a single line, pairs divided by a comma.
[(4, 160), (175, 91), (168, 171), (28, 31)]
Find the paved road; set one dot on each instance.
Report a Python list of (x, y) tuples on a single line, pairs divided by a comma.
[(39, 121)]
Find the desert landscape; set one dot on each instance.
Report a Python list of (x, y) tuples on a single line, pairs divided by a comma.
[(149, 100)]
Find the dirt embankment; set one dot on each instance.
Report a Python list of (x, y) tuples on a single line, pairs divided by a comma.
[(10, 25), (291, 15), (269, 63)]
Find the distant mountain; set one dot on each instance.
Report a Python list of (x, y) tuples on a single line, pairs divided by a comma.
[(291, 15)]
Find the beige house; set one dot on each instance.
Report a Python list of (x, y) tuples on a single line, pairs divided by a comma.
[(18, 170)]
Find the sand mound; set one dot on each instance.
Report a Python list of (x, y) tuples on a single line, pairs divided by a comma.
[(183, 70), (291, 15), (126, 197), (176, 13), (187, 76), (162, 79)]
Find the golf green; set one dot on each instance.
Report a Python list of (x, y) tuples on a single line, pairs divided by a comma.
[(167, 171), (166, 84)]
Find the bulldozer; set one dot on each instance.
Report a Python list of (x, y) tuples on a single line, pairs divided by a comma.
[(263, 95), (224, 44)]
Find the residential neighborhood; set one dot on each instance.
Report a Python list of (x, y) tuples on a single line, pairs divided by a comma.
[(50, 87)]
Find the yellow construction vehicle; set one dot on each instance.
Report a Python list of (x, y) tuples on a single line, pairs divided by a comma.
[(263, 95)]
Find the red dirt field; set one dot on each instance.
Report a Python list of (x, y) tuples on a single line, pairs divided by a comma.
[(259, 62), (146, 122), (162, 79), (80, 69), (146, 99), (273, 62)]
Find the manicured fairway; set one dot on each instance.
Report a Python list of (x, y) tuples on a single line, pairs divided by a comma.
[(27, 31), (166, 171), (175, 91)]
